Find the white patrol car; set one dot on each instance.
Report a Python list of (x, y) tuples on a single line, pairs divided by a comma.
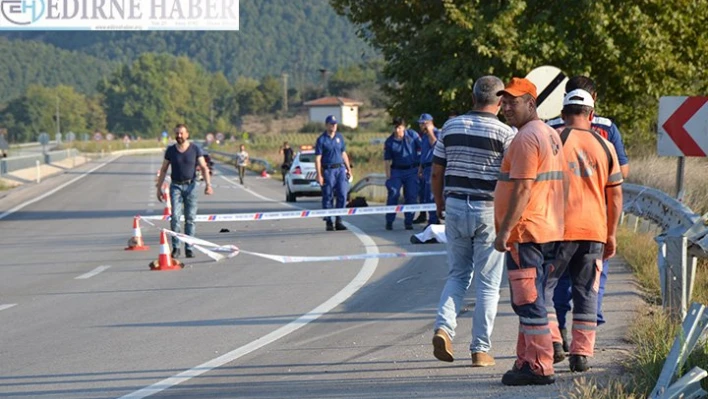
[(301, 180)]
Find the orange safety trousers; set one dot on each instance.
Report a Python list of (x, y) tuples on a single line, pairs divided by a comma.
[(529, 265), (583, 260)]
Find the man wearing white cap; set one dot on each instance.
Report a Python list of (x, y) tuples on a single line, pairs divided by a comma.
[(592, 213)]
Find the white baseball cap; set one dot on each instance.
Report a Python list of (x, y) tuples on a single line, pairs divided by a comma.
[(579, 97)]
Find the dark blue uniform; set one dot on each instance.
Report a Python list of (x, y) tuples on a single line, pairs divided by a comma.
[(334, 172), (403, 155), (426, 162)]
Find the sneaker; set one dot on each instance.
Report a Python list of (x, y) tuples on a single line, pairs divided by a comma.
[(578, 363), (566, 341), (422, 218), (175, 253), (558, 352), (188, 253), (409, 227), (330, 227), (389, 226), (482, 359), (524, 376), (442, 346), (339, 226)]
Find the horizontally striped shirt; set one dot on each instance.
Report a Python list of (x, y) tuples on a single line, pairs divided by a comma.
[(471, 148)]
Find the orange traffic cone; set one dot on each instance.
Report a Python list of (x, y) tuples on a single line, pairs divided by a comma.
[(165, 260), (168, 204), (135, 243)]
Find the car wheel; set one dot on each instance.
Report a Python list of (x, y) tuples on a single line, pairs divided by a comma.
[(289, 197)]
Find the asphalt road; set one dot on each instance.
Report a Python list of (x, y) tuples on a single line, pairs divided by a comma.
[(80, 317)]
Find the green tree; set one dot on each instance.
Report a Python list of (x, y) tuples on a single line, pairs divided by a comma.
[(636, 51)]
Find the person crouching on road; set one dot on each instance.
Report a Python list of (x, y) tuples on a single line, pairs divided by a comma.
[(333, 170), (592, 213), (401, 150)]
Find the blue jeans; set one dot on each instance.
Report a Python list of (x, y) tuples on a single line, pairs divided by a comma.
[(184, 200), (469, 229)]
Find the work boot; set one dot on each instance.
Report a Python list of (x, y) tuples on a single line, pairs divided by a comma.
[(442, 346), (524, 376), (389, 226), (566, 341), (339, 226), (409, 227), (558, 353), (422, 218), (330, 226), (188, 253), (578, 363), (175, 253)]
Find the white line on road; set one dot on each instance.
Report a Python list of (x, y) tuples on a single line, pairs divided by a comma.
[(48, 193), (7, 306), (92, 273), (359, 280)]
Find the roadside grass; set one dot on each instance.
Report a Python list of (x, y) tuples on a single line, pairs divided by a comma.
[(653, 331)]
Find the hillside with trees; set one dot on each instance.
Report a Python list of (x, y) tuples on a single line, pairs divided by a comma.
[(297, 37)]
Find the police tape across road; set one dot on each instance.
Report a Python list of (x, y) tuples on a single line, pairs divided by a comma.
[(214, 251), (316, 213)]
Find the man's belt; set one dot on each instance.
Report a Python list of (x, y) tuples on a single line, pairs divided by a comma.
[(470, 197), (332, 166), (182, 182), (427, 165)]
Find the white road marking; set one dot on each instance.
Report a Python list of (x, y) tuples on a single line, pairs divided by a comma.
[(93, 272), (359, 280), (7, 306), (48, 193)]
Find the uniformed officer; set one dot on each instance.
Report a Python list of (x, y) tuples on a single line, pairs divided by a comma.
[(429, 136), (401, 158), (333, 170)]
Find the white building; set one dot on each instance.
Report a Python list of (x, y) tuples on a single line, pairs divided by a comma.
[(344, 109)]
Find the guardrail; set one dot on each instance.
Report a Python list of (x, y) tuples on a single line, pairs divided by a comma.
[(258, 161), (11, 164)]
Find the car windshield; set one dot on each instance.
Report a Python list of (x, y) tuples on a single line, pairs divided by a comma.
[(307, 158)]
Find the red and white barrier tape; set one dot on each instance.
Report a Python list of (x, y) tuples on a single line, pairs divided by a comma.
[(316, 213)]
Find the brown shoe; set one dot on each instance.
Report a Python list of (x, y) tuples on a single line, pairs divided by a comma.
[(442, 346), (482, 359)]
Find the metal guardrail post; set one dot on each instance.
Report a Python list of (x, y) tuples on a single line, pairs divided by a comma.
[(691, 330)]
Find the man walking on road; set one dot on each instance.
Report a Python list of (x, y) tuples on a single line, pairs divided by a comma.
[(465, 191), (592, 213), (287, 153), (184, 158), (333, 170), (529, 204), (241, 162)]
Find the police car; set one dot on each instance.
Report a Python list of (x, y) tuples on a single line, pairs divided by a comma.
[(301, 179)]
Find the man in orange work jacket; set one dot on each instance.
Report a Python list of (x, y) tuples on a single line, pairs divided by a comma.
[(529, 211), (592, 213)]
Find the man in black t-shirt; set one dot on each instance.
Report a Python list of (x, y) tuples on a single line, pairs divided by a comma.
[(287, 159), (184, 158)]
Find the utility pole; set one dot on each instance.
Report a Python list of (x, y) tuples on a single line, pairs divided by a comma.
[(285, 93), (58, 116), (323, 71)]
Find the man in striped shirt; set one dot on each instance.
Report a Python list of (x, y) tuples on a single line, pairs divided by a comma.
[(466, 162)]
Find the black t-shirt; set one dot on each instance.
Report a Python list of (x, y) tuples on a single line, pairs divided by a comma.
[(183, 164), (288, 155)]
